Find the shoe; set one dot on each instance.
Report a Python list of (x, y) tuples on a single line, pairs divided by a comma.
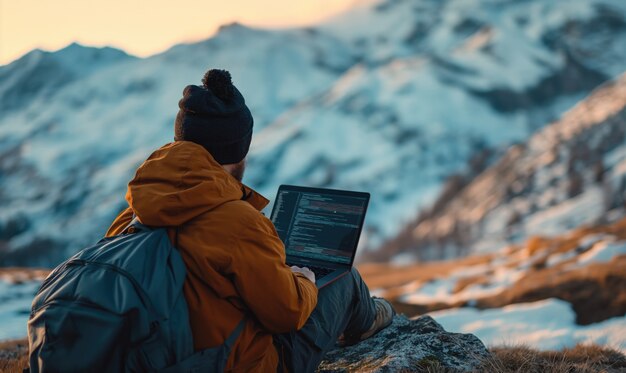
[(384, 317)]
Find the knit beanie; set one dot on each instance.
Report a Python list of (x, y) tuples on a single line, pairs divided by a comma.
[(216, 117)]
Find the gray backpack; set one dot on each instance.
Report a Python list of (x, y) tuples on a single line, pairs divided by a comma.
[(118, 306)]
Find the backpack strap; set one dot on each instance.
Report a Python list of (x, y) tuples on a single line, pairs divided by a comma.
[(205, 359), (232, 338)]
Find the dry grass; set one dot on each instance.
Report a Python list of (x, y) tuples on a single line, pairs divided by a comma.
[(581, 358), (17, 275), (507, 359), (537, 244), (391, 277), (596, 291), (13, 356), (522, 359), (570, 241), (464, 282)]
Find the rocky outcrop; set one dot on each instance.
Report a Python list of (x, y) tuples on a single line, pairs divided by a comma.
[(406, 346)]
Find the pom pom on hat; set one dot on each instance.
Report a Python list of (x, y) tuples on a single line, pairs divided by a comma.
[(220, 83)]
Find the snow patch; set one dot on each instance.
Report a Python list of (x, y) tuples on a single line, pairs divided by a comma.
[(603, 251), (546, 325)]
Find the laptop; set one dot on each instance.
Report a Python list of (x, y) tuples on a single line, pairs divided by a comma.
[(320, 228)]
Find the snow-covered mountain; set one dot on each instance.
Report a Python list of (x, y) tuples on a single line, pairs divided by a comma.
[(571, 173), (390, 97), (68, 149), (38, 75)]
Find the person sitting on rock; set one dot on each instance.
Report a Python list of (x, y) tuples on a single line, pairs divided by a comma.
[(235, 260)]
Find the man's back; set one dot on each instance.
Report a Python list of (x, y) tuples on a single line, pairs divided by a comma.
[(234, 258)]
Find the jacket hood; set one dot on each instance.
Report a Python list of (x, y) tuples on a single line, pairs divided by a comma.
[(180, 181)]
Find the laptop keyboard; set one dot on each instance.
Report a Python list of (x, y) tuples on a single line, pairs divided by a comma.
[(319, 271)]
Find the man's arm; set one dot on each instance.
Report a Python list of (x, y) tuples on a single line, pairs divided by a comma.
[(281, 299)]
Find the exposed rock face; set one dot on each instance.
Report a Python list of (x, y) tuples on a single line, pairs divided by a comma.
[(409, 345)]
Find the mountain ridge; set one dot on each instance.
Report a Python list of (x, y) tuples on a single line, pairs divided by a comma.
[(391, 109), (581, 156)]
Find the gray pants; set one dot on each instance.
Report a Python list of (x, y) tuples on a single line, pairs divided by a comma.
[(344, 306)]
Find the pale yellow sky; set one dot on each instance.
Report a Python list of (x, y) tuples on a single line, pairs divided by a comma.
[(141, 27)]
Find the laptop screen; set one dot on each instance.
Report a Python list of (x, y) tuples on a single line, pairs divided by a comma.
[(320, 224)]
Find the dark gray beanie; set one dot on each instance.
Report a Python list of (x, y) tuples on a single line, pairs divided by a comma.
[(216, 117)]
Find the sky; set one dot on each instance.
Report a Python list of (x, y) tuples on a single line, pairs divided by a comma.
[(142, 27)]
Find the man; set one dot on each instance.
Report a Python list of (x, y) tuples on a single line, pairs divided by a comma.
[(235, 260)]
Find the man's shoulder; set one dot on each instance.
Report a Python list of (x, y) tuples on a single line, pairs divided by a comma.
[(226, 226), (239, 213), (241, 207)]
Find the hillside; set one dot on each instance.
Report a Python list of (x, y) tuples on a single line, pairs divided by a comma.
[(510, 296), (571, 173), (548, 292), (433, 89)]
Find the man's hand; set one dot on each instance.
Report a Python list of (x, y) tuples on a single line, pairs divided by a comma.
[(305, 271)]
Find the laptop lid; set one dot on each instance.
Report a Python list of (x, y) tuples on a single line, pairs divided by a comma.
[(320, 224)]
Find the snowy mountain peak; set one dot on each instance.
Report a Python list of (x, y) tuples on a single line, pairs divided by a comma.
[(40, 74), (80, 56), (235, 28), (390, 97)]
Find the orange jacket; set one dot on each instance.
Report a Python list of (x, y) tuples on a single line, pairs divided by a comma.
[(235, 260)]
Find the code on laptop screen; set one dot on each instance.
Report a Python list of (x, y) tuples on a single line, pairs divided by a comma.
[(319, 225)]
